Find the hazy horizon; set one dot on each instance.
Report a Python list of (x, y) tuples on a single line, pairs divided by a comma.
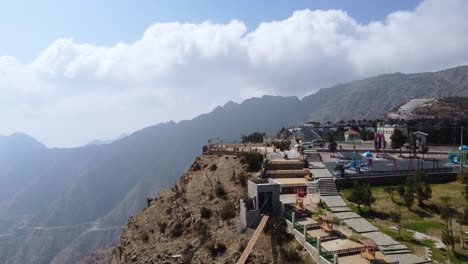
[(169, 64)]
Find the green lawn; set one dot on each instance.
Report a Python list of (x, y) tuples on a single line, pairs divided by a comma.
[(424, 219)]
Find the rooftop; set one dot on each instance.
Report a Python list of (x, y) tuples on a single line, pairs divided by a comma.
[(290, 181), (352, 132)]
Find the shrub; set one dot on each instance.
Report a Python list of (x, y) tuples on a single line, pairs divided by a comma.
[(203, 230), (177, 230), (255, 137), (220, 191), (253, 161), (242, 246), (276, 227), (196, 166), (162, 227), (290, 255), (145, 237), (243, 179), (216, 249), (213, 167), (282, 145), (322, 204), (228, 211), (205, 213)]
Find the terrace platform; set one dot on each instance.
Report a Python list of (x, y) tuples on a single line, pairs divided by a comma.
[(341, 244), (357, 259)]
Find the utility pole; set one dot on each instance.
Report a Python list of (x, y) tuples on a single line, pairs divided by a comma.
[(461, 151)]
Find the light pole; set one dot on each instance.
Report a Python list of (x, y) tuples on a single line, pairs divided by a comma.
[(461, 151)]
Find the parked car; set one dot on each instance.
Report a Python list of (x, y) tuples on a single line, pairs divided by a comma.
[(304, 145), (318, 143)]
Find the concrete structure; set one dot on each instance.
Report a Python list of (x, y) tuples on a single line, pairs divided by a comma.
[(263, 197), (421, 138), (387, 131)]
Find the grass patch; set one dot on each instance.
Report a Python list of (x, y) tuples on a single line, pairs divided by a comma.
[(424, 219), (422, 226)]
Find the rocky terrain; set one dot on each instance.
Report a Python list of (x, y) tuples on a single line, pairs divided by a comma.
[(194, 222), (451, 108), (376, 96)]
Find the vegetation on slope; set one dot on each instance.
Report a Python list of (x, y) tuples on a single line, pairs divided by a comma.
[(424, 218)]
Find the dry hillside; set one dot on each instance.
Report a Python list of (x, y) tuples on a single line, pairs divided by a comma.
[(173, 224)]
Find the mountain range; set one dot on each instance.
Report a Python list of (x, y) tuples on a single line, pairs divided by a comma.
[(57, 205)]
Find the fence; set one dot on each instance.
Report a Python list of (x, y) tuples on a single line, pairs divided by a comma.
[(347, 251), (326, 254), (398, 172), (299, 227), (328, 237), (312, 240)]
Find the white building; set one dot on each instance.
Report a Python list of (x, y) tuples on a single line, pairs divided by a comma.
[(421, 138), (387, 131)]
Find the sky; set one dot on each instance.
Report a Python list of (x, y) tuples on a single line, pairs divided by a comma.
[(74, 71)]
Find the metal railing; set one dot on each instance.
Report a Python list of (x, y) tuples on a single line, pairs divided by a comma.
[(347, 251), (398, 172), (328, 255)]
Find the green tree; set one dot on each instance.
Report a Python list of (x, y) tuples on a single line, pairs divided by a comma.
[(446, 213), (253, 161), (255, 137), (396, 218), (424, 150), (462, 220), (390, 190), (361, 194), (398, 139), (408, 196), (417, 184), (332, 145)]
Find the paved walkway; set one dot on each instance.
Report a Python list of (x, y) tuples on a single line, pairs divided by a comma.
[(388, 246), (333, 201)]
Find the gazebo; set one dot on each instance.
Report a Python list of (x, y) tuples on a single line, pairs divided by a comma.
[(352, 136)]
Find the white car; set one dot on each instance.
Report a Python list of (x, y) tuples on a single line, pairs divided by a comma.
[(304, 145), (318, 143)]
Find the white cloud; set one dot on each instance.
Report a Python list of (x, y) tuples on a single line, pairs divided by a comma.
[(72, 92)]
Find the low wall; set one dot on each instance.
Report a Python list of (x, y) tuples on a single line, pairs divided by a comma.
[(249, 218), (285, 174), (348, 182), (314, 253)]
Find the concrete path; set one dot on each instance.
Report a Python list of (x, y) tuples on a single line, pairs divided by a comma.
[(360, 225), (333, 201), (347, 215)]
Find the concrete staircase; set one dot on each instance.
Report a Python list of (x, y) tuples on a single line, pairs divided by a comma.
[(274, 251), (394, 249), (312, 156), (327, 187), (312, 187)]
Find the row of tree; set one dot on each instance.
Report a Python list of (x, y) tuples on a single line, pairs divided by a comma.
[(400, 140)]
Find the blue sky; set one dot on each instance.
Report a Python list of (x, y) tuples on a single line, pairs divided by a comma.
[(28, 27), (72, 72)]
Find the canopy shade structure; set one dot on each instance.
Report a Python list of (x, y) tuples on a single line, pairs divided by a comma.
[(464, 147), (367, 154)]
